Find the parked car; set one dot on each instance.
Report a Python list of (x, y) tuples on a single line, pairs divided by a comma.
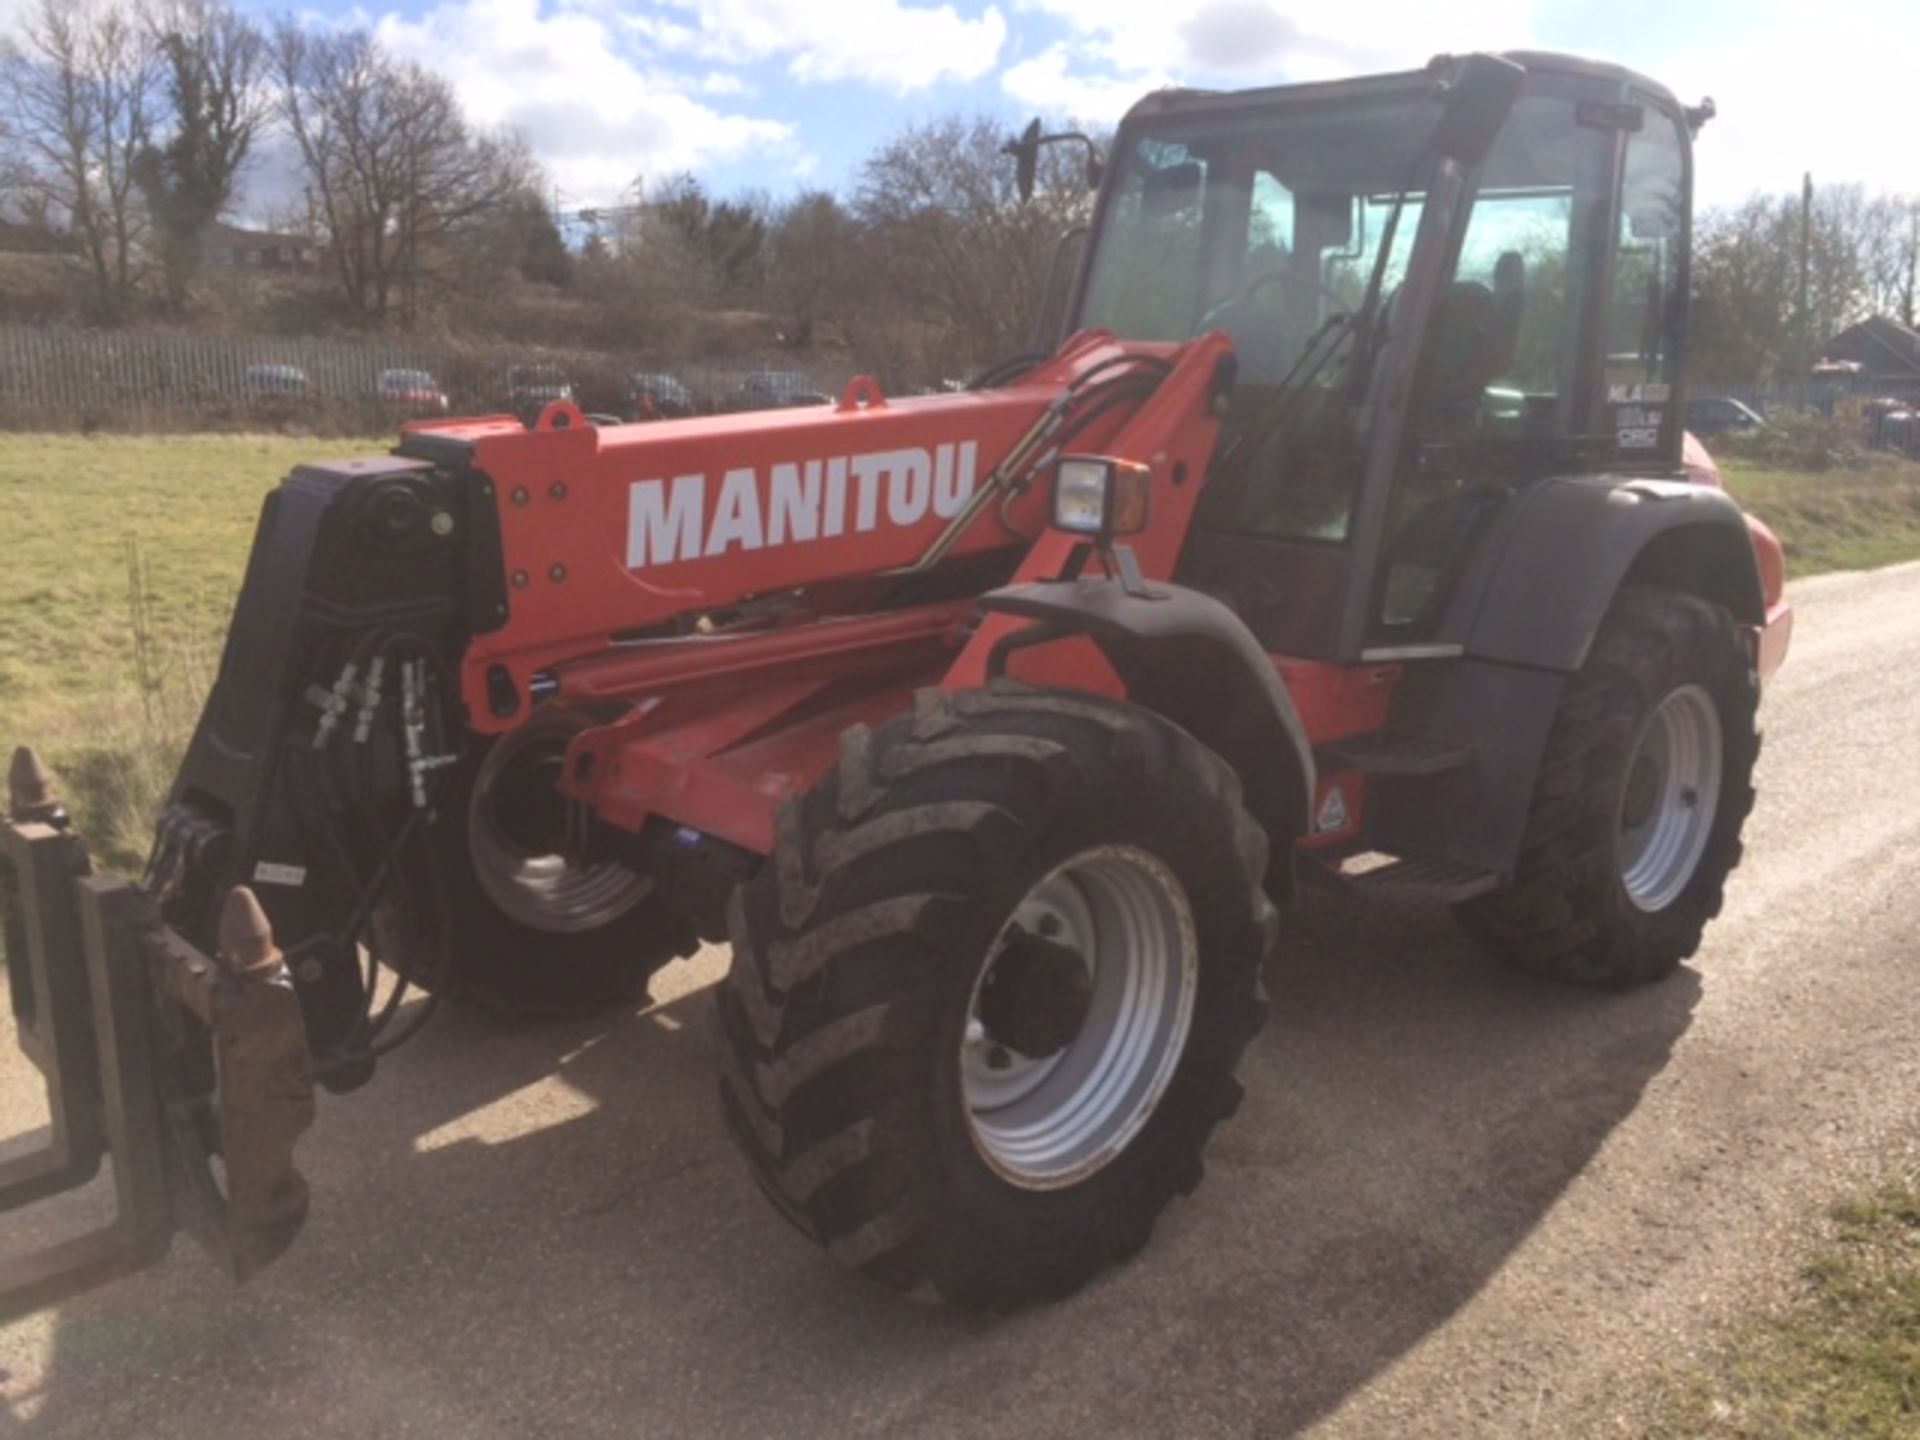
[(655, 396), (1892, 424), (1717, 414), (531, 388), (278, 380), (276, 394), (414, 392), (776, 390)]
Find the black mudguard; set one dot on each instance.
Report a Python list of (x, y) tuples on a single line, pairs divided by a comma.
[(1524, 614), (1560, 553), (1186, 656)]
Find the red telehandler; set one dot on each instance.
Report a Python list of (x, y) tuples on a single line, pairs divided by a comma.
[(1344, 540)]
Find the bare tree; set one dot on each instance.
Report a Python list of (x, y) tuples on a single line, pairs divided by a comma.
[(813, 266), (1748, 321), (646, 258), (516, 238), (728, 237), (78, 89), (398, 177), (947, 231), (1890, 252), (214, 61)]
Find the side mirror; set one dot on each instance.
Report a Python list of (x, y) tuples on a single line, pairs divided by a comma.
[(1025, 150), (1479, 98)]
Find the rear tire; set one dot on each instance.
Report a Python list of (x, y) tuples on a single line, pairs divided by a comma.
[(530, 936), (865, 951), (1637, 809)]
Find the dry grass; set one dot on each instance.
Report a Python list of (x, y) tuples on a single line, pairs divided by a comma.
[(1842, 1359), (1850, 518)]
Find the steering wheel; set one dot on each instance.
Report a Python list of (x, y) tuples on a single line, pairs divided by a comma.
[(1217, 313)]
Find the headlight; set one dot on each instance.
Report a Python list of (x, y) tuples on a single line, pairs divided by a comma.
[(1100, 497)]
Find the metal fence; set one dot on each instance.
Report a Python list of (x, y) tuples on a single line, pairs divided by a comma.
[(1813, 394), (61, 379), (54, 379)]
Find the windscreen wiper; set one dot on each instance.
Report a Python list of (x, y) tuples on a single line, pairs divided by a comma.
[(1320, 348)]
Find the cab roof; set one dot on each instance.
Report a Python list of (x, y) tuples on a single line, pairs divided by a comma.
[(1176, 100)]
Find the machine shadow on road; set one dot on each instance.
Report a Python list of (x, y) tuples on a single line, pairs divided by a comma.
[(547, 1229)]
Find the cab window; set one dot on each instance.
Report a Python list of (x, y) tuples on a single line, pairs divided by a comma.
[(1646, 306)]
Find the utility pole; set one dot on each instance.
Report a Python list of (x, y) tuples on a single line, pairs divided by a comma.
[(1806, 257), (1907, 296)]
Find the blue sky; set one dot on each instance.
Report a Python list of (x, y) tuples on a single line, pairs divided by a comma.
[(781, 94)]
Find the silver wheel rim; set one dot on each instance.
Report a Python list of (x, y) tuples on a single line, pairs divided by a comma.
[(1045, 1123), (1668, 802), (535, 885)]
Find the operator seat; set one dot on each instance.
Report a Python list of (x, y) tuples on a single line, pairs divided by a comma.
[(1476, 332), (1510, 301)]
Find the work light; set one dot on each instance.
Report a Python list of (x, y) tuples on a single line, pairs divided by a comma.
[(1100, 497)]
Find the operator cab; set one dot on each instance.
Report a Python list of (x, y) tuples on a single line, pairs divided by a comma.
[(1420, 338)]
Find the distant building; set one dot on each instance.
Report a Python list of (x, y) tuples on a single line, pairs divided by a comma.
[(1875, 353), (231, 245)]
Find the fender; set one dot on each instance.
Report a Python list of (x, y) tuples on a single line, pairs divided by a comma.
[(1186, 656), (1579, 540)]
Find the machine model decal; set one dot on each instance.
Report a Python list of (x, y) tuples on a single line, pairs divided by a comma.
[(669, 521), (1637, 427), (1638, 413), (1647, 393)]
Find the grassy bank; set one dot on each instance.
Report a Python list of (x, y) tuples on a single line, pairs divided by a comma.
[(1843, 1357), (1841, 519), (122, 555)]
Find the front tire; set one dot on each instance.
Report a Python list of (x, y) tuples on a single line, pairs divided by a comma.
[(988, 996), (1637, 810)]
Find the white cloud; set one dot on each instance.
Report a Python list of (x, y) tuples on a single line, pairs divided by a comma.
[(1803, 92), (596, 118), (1048, 82), (1117, 50), (1797, 88), (885, 43), (606, 93), (723, 82)]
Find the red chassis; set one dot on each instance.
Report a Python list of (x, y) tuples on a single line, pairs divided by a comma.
[(718, 725)]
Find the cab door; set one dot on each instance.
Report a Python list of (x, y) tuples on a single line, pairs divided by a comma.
[(1510, 373)]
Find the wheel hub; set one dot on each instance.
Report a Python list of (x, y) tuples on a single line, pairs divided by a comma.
[(1671, 794), (1079, 1017), (528, 843), (1036, 995), (527, 807)]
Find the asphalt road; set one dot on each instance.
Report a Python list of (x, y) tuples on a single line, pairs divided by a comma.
[(1457, 1200)]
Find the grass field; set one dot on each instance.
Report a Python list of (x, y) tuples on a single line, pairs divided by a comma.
[(101, 671), (122, 556)]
